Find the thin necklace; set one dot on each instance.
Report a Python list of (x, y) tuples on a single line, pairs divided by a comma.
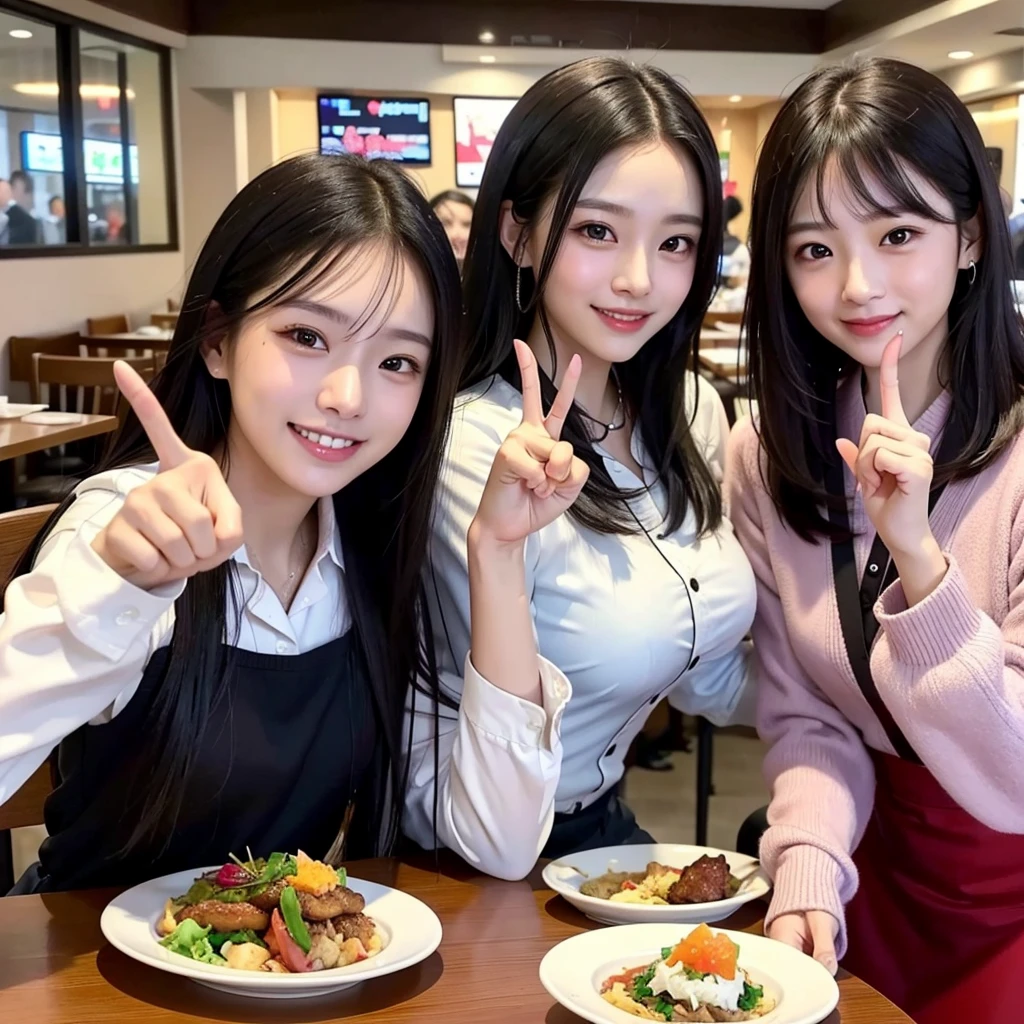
[(292, 579), (608, 427)]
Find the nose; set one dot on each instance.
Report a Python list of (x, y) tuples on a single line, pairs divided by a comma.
[(342, 392), (633, 275), (862, 283)]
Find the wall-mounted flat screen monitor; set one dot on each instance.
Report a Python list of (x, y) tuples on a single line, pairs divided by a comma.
[(378, 127)]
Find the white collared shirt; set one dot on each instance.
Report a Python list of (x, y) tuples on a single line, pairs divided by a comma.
[(75, 638), (611, 611)]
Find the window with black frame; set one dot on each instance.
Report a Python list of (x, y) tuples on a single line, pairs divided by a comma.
[(85, 150)]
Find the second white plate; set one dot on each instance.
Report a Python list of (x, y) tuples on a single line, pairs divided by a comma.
[(567, 874)]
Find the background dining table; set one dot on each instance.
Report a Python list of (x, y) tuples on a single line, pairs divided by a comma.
[(56, 967)]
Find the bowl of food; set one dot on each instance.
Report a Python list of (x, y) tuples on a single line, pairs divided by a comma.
[(657, 882), (278, 927), (661, 972)]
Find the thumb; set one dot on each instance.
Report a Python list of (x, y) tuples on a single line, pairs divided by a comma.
[(823, 927), (849, 451)]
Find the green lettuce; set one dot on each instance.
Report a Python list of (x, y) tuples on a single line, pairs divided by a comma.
[(191, 939)]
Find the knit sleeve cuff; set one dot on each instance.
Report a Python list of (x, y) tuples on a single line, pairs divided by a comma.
[(808, 878), (934, 630)]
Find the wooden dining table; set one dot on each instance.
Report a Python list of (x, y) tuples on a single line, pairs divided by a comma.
[(56, 967), (20, 438), (132, 339)]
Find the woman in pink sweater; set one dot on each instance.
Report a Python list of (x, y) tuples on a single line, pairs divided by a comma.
[(880, 499)]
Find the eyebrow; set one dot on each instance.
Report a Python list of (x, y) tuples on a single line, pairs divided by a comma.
[(338, 317), (816, 225), (624, 211)]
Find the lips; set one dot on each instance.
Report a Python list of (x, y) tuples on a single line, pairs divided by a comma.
[(325, 446), (869, 326), (622, 319)]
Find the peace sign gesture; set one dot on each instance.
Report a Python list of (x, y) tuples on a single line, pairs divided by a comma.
[(183, 521), (892, 465), (535, 476)]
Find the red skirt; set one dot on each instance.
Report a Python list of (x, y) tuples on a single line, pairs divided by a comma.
[(937, 924)]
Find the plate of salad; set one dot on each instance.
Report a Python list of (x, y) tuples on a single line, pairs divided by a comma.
[(276, 927), (668, 973)]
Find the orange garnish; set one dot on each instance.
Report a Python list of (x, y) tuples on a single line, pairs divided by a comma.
[(312, 876), (702, 950)]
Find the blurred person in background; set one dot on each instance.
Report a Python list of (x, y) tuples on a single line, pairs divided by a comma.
[(455, 211)]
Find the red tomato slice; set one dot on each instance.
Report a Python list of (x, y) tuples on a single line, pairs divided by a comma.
[(291, 955)]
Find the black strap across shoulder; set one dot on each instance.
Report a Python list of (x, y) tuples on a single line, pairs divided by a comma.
[(857, 600)]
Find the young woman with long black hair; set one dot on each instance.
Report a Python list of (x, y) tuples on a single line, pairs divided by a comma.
[(596, 238), (220, 630), (880, 497)]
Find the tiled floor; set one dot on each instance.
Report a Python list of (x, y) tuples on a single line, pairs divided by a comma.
[(664, 802)]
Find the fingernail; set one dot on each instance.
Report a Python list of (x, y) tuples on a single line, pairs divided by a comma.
[(829, 963)]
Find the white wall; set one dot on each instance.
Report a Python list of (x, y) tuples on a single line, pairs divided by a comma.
[(240, 62)]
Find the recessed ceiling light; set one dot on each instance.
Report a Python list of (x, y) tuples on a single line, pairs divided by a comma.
[(960, 54), (488, 58), (86, 90), (486, 37), (20, 33), (735, 99)]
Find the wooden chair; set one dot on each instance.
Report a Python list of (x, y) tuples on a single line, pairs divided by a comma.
[(710, 319), (17, 530), (173, 305), (94, 375), (165, 321), (23, 349), (83, 384), (108, 324)]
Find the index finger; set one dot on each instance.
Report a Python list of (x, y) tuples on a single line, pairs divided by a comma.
[(533, 410), (892, 406), (563, 400), (170, 450)]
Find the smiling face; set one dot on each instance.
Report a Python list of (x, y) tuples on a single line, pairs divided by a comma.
[(862, 275), (626, 261), (325, 385)]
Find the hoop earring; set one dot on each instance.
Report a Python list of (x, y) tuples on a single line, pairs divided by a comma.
[(972, 270), (519, 303)]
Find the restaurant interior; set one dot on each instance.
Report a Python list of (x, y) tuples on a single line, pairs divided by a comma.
[(181, 103)]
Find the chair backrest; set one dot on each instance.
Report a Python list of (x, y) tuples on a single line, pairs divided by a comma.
[(173, 305), (94, 375), (108, 324), (17, 531), (23, 349), (735, 317), (165, 321)]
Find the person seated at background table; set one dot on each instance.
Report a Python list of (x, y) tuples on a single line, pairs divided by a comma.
[(880, 497), (596, 238), (455, 211), (220, 629)]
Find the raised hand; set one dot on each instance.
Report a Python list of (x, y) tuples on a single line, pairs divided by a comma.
[(892, 466), (535, 476), (183, 521)]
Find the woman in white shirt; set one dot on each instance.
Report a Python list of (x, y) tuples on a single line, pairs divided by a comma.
[(205, 697), (596, 234)]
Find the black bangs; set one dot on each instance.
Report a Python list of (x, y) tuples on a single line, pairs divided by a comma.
[(878, 129)]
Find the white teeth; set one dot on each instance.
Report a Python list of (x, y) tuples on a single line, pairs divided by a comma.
[(623, 316), (325, 440)]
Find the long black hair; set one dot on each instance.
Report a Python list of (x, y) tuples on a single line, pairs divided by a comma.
[(291, 227), (874, 119), (544, 153)]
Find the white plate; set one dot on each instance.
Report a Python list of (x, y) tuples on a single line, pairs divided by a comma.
[(566, 876), (52, 419), (573, 972), (411, 932), (15, 410)]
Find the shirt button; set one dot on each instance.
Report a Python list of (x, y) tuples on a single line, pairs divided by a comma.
[(873, 568), (694, 585), (283, 647), (128, 616)]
